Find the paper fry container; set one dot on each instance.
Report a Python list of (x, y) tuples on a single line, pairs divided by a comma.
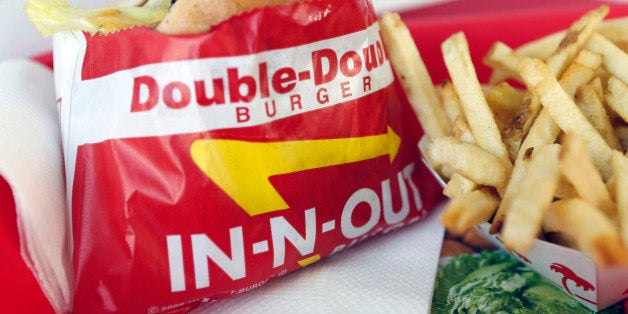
[(594, 286)]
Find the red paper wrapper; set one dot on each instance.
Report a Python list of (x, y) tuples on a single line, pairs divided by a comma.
[(19, 283), (200, 167)]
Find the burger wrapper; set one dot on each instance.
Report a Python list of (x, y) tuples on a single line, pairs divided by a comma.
[(200, 167), (594, 286)]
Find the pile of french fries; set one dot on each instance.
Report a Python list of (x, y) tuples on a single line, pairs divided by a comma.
[(540, 150)]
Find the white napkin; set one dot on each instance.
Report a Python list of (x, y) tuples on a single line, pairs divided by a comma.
[(393, 273), (31, 162)]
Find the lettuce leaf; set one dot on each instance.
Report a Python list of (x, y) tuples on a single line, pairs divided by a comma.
[(51, 16)]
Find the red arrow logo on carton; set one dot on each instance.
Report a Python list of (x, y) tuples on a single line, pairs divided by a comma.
[(570, 275), (242, 168)]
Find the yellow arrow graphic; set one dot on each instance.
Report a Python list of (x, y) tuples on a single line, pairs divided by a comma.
[(242, 168)]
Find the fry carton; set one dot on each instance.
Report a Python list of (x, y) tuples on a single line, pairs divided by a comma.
[(200, 167), (594, 286)]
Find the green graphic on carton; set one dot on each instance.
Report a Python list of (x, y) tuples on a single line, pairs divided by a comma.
[(494, 282)]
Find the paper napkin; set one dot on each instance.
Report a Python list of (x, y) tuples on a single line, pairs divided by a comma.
[(31, 162)]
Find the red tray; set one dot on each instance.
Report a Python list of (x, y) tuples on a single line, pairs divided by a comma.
[(486, 21), (483, 21)]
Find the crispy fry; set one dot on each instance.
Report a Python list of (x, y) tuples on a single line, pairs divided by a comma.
[(485, 131), (535, 193), (614, 29), (504, 58), (412, 73), (557, 63), (592, 231), (589, 103), (577, 167), (459, 185), (520, 124), (565, 112), (542, 48), (622, 135), (448, 97), (449, 100), (620, 167), (462, 131), (599, 88), (504, 100), (576, 98), (468, 160), (617, 97), (469, 210), (565, 189), (615, 59), (580, 72), (543, 132), (596, 85), (576, 37)]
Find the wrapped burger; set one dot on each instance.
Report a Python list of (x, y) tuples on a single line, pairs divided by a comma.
[(200, 166)]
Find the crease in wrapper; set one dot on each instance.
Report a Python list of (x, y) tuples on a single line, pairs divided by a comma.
[(594, 286), (200, 167)]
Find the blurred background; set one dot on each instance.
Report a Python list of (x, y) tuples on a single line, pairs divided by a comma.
[(19, 38)]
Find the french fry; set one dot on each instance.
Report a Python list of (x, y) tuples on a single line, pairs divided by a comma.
[(458, 185), (622, 135), (565, 189), (542, 133), (462, 131), (468, 160), (542, 48), (577, 167), (443, 170), (449, 100), (611, 187), (520, 124), (480, 118), (564, 111), (577, 98), (504, 100), (469, 210), (580, 72), (600, 89), (616, 97), (504, 58), (596, 85), (614, 29), (528, 206), (615, 59), (589, 103), (413, 76), (576, 37), (620, 167), (573, 40), (592, 231)]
